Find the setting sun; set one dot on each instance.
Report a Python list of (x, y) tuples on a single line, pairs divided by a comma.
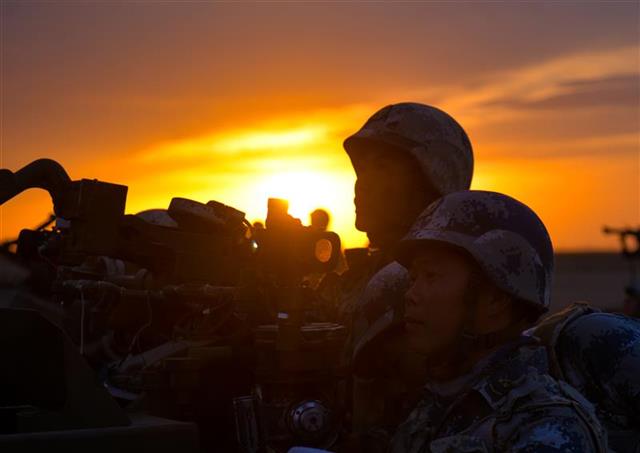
[(306, 191), (303, 163)]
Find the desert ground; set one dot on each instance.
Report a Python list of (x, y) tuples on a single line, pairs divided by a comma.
[(597, 278)]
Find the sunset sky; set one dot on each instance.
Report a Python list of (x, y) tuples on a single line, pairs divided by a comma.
[(240, 102)]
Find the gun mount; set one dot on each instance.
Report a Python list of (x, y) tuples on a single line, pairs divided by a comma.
[(188, 312)]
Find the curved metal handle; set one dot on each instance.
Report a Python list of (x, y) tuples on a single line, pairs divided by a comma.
[(45, 174)]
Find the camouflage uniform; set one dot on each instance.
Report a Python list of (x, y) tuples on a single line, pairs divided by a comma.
[(508, 402), (599, 354)]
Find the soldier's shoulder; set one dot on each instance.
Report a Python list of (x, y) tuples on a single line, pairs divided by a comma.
[(552, 416), (539, 413), (553, 429)]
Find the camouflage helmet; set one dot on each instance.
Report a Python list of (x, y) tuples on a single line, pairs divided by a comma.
[(438, 143), (505, 237)]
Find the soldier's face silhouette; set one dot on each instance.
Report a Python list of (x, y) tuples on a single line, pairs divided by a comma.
[(436, 308), (388, 194)]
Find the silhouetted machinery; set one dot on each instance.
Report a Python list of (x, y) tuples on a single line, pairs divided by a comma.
[(630, 249), (186, 313)]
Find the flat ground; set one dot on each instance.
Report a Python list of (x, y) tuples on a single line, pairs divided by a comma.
[(597, 278)]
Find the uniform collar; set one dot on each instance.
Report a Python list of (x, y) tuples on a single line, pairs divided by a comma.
[(496, 373), (527, 360)]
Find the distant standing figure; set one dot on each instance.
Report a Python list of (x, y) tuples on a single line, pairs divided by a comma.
[(320, 219)]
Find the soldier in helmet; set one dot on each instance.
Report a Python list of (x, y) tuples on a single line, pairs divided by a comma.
[(405, 156), (481, 265), (599, 355)]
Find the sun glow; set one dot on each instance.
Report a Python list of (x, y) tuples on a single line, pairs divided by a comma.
[(266, 140), (300, 161), (305, 190)]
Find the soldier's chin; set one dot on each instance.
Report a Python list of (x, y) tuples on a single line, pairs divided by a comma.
[(362, 223)]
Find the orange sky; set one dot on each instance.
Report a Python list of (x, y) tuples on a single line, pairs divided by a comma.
[(238, 104)]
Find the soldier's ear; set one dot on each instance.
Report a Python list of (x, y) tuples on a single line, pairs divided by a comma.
[(493, 309), (499, 303)]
